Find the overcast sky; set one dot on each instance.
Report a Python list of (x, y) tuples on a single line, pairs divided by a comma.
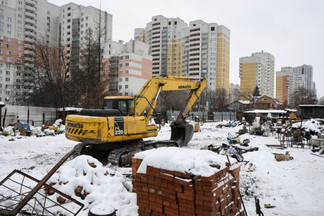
[(291, 30)]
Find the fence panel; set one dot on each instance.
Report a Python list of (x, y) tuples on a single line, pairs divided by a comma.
[(27, 114)]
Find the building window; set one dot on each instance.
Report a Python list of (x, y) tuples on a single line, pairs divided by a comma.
[(8, 46), (127, 57), (8, 59), (126, 86), (126, 79), (7, 72), (127, 71), (9, 19), (120, 57), (127, 64), (120, 65), (9, 39), (120, 79), (7, 79)]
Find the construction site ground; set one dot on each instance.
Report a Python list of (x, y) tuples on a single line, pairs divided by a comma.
[(293, 187)]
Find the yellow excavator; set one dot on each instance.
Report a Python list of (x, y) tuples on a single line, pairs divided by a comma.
[(116, 131)]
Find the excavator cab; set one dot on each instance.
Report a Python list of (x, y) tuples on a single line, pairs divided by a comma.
[(121, 103)]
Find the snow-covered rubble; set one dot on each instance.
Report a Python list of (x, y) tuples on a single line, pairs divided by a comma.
[(312, 125), (86, 180), (294, 187)]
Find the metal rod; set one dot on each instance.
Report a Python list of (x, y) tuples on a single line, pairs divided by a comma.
[(238, 190), (41, 183)]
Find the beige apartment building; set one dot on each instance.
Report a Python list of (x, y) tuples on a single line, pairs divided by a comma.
[(196, 50), (257, 70)]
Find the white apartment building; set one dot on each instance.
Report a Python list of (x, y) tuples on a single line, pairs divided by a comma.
[(22, 23), (130, 66), (198, 50), (26, 22)]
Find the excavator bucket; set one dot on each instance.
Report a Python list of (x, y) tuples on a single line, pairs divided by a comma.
[(181, 132)]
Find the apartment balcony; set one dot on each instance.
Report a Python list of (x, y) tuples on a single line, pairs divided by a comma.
[(30, 8), (29, 52), (28, 65), (31, 2), (194, 61), (29, 60), (30, 31), (31, 40), (30, 14), (29, 46), (29, 20)]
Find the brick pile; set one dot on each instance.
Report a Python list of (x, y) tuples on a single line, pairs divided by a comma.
[(165, 192)]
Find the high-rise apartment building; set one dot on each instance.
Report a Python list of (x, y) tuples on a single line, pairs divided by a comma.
[(257, 70), (130, 66), (198, 50), (23, 23), (74, 24), (289, 79)]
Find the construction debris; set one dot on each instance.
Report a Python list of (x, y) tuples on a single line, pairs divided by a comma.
[(283, 157)]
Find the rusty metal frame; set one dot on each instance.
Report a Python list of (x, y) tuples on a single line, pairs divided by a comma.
[(38, 206)]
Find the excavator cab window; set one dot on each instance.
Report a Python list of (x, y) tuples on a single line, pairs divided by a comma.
[(119, 104)]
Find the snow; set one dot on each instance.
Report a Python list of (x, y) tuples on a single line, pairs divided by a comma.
[(294, 187), (182, 160), (266, 111), (311, 125)]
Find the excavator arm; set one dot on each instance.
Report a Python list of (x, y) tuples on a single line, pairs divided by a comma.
[(181, 131), (151, 89)]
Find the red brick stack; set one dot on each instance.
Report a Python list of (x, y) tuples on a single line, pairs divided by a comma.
[(165, 192)]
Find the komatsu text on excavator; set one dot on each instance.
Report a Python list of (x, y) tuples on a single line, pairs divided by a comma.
[(116, 131)]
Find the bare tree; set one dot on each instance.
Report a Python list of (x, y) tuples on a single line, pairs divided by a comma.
[(44, 81), (92, 78), (221, 99), (303, 96)]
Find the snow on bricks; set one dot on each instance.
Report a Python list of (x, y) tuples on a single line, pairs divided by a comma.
[(184, 190)]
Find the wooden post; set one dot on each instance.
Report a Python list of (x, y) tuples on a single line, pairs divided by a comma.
[(4, 118)]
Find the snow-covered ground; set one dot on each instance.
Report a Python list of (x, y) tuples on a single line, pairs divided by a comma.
[(294, 187)]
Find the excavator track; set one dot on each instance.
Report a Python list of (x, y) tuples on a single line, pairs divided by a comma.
[(123, 156)]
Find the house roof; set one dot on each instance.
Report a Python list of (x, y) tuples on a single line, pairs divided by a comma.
[(276, 100)]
